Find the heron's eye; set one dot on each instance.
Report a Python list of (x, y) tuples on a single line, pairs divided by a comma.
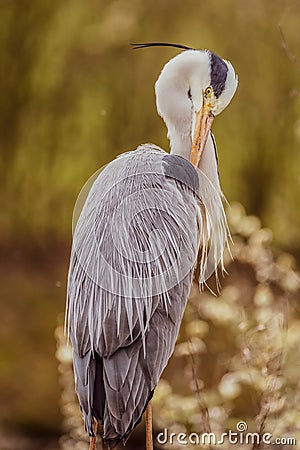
[(208, 91)]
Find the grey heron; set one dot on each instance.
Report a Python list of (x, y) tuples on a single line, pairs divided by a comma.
[(149, 217)]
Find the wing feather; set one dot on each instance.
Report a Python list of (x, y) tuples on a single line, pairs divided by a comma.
[(132, 262)]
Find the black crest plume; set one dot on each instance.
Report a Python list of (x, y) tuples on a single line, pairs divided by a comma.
[(160, 44)]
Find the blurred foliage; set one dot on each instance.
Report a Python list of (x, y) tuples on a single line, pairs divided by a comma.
[(237, 357), (32, 294), (239, 352), (73, 95)]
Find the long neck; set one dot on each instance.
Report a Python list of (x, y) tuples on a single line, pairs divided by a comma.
[(209, 163), (174, 105), (173, 92), (181, 144)]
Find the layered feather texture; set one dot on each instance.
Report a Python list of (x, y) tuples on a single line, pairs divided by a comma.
[(134, 251)]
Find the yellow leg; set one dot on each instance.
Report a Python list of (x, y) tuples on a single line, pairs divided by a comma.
[(149, 440), (93, 439)]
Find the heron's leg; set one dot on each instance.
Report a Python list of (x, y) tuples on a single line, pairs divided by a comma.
[(149, 440), (93, 439)]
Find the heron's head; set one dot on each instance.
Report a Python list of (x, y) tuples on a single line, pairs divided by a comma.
[(191, 90)]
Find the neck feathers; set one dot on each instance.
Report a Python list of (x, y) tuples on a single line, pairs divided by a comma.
[(175, 100)]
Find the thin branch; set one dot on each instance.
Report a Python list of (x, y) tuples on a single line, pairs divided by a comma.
[(201, 401), (292, 58)]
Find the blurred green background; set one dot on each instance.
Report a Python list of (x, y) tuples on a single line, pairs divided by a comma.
[(72, 96)]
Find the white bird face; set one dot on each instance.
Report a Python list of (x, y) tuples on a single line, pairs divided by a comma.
[(215, 96), (191, 90)]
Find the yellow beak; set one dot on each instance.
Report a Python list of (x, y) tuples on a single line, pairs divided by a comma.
[(203, 123)]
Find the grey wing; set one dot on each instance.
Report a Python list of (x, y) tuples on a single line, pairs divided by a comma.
[(128, 290), (130, 375)]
